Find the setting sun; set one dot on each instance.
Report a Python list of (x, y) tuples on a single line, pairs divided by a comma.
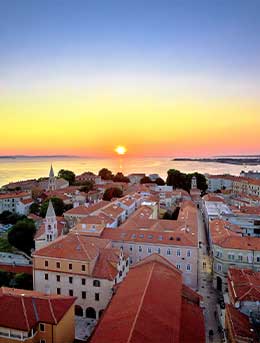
[(120, 150)]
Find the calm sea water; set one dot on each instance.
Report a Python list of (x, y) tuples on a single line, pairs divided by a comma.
[(29, 168)]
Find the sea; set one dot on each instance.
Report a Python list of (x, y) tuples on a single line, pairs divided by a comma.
[(23, 168)]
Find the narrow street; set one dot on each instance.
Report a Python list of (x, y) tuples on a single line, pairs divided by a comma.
[(205, 285)]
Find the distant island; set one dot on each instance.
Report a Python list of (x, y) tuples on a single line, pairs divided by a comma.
[(40, 156), (250, 160)]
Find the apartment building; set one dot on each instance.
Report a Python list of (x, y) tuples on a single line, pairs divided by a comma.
[(14, 201), (231, 249), (219, 182), (177, 241), (81, 266)]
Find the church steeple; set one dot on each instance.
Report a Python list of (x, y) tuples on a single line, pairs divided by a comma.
[(193, 182), (51, 231), (52, 180)]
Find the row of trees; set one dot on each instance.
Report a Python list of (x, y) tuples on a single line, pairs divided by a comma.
[(106, 174), (20, 280), (178, 179)]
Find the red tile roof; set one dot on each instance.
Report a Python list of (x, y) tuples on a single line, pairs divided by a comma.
[(239, 324), (213, 197), (74, 247), (243, 285), (83, 210), (23, 310), (106, 264), (140, 313), (15, 195)]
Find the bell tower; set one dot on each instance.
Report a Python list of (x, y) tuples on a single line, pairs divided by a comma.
[(51, 231), (193, 182), (52, 180)]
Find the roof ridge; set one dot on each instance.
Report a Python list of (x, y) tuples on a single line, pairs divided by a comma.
[(52, 312), (25, 312), (141, 303), (81, 244)]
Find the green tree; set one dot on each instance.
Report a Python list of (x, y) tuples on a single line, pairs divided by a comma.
[(35, 208), (67, 175), (7, 217), (105, 174), (159, 181), (119, 177), (58, 205), (145, 179), (201, 181), (5, 245), (4, 278), (176, 179), (112, 192), (21, 235), (87, 186), (22, 281)]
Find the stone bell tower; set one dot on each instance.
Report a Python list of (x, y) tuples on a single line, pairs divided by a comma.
[(51, 231)]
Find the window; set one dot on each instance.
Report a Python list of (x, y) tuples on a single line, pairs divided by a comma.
[(188, 267), (70, 266), (70, 279), (134, 235), (141, 236), (46, 263), (97, 296), (178, 266), (71, 292), (83, 282), (46, 276), (83, 295), (58, 264), (159, 250), (131, 248), (140, 249), (240, 258), (83, 267), (258, 259), (168, 251), (149, 250), (160, 238), (58, 290), (219, 267), (231, 257), (188, 253), (42, 341), (178, 252), (42, 327), (131, 260), (150, 236), (96, 283), (58, 278)]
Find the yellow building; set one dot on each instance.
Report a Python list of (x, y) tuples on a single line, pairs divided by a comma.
[(34, 317)]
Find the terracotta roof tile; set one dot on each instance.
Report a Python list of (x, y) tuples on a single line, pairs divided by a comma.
[(23, 310)]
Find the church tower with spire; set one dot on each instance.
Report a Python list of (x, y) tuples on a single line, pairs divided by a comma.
[(52, 180), (51, 231), (194, 182)]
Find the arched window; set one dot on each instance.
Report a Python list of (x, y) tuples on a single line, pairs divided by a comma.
[(120, 273), (78, 311), (96, 283), (91, 313)]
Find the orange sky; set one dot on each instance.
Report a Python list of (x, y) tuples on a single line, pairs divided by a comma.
[(155, 124)]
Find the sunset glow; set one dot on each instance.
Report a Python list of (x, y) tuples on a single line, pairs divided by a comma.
[(170, 91), (120, 150)]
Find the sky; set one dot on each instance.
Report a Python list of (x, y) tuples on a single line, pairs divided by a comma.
[(163, 78)]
